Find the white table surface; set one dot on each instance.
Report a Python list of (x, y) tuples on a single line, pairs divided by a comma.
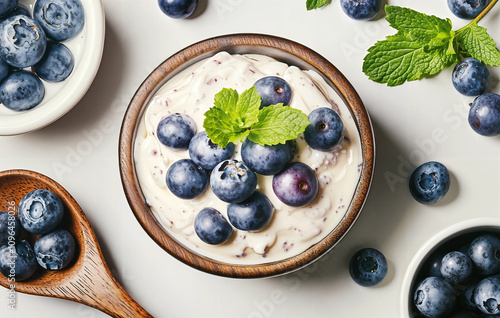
[(413, 123)]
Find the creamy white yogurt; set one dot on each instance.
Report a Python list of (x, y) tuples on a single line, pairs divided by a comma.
[(291, 230)]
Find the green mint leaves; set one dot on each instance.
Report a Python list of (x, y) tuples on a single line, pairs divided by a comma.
[(314, 4), (423, 46), (235, 117)]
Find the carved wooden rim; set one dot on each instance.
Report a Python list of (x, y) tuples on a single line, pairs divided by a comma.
[(284, 50)]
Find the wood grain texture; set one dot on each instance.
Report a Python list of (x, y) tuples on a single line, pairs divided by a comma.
[(87, 279), (281, 49)]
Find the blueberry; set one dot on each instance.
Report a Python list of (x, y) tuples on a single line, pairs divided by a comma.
[(55, 250), (456, 267), (325, 131), (186, 179), (463, 314), (57, 63), (10, 228), (251, 214), (429, 182), (20, 10), (296, 185), (211, 227), (484, 252), (487, 295), (466, 297), (470, 77), (22, 41), (368, 267), (434, 263), (40, 211), (62, 20), (484, 114), (18, 260), (7, 7), (434, 297), (361, 9), (232, 181), (467, 9), (21, 90), (176, 130), (178, 9), (206, 154), (273, 90), (266, 160), (4, 70)]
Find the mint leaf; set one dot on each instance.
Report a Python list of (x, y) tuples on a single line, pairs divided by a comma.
[(248, 106), (314, 4), (277, 124), (474, 41), (221, 128)]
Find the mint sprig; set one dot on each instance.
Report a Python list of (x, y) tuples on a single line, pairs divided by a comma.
[(235, 117), (424, 45), (315, 4)]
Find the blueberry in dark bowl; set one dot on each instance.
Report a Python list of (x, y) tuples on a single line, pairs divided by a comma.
[(470, 77), (361, 9), (487, 295), (251, 214), (434, 297), (22, 41), (40, 211), (175, 131), (211, 227), (232, 181), (467, 9), (62, 20), (10, 228), (21, 91), (368, 267), (178, 9), (296, 185), (429, 182), (326, 130), (186, 179), (55, 250), (273, 90), (56, 64), (7, 7), (21, 258), (206, 154), (267, 159), (484, 252), (484, 114), (456, 267)]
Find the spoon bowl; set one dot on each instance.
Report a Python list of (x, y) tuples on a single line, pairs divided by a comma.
[(87, 279)]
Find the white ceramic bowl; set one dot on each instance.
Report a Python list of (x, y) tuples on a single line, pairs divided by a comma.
[(477, 225), (60, 98)]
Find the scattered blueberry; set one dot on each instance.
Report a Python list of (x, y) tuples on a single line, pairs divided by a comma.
[(178, 9), (296, 184), (368, 267), (176, 130), (429, 182), (62, 20), (484, 114), (232, 181), (434, 297), (22, 41), (4, 70), (55, 250), (211, 227), (456, 267), (186, 179), (21, 91), (40, 211), (470, 77), (273, 90), (206, 154), (19, 258), (266, 160), (56, 64), (467, 9), (325, 131), (10, 228), (251, 214), (361, 9), (484, 252), (7, 7), (487, 295)]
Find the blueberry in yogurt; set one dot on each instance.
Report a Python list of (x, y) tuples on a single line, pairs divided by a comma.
[(361, 9), (178, 9), (56, 64), (368, 267), (273, 90), (206, 154), (175, 131), (484, 252), (7, 7), (20, 258), (55, 250), (325, 131), (232, 181), (22, 41), (456, 267), (186, 179), (9, 227), (267, 159), (487, 295), (467, 9), (429, 182), (484, 114), (40, 211), (21, 91), (296, 185), (62, 20), (434, 297), (251, 214), (211, 227), (470, 77)]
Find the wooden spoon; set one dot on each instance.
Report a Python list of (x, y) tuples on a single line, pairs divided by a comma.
[(87, 279)]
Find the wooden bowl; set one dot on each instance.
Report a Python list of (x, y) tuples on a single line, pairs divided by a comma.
[(283, 50)]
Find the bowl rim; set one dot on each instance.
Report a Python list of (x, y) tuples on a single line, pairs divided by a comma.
[(242, 43), (39, 117), (442, 236)]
